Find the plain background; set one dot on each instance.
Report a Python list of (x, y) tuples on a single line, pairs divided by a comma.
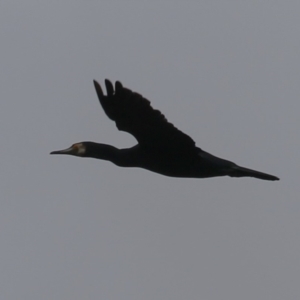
[(225, 72)]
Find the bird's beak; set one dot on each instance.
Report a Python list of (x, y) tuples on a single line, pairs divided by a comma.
[(70, 151)]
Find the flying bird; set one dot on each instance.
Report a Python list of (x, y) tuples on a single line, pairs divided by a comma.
[(161, 148)]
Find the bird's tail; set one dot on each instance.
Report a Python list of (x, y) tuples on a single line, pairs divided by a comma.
[(238, 171)]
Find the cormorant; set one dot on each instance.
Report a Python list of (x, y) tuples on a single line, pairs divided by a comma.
[(161, 147)]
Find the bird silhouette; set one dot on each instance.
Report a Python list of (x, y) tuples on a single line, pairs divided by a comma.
[(161, 147)]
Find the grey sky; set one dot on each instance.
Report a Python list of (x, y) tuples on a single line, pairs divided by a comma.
[(225, 72)]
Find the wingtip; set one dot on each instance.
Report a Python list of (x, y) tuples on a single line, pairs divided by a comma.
[(95, 83), (107, 81), (98, 89), (109, 87), (118, 86)]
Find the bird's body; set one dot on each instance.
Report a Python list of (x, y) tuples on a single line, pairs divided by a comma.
[(161, 147)]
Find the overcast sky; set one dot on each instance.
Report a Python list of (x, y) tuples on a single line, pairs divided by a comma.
[(226, 73)]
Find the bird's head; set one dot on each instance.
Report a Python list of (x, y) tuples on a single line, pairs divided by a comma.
[(78, 149)]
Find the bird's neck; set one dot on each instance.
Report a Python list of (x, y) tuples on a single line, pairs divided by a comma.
[(120, 157)]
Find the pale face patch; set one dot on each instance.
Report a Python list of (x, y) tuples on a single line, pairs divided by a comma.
[(79, 149)]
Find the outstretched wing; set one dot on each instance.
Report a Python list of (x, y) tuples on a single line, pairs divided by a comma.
[(134, 114)]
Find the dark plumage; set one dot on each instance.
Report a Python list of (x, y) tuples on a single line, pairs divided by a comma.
[(161, 147)]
